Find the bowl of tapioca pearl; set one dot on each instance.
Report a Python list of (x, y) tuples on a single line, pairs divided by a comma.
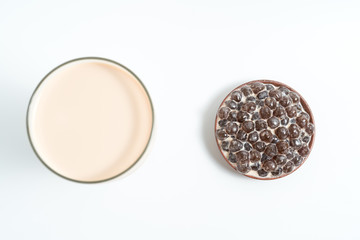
[(264, 129)]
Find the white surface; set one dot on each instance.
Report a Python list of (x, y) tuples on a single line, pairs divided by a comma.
[(189, 54)]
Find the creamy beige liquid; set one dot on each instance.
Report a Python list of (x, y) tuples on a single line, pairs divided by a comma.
[(90, 120)]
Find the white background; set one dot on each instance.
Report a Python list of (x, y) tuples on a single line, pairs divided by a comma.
[(189, 54)]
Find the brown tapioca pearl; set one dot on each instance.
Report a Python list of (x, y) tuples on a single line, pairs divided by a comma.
[(269, 166), (249, 107), (248, 126), (284, 90), (221, 134), (255, 166), (232, 128), (255, 156), (260, 125), (304, 151), (297, 160), (290, 153), (241, 135), (259, 146), (236, 96), (223, 122), (242, 116), (265, 157), (251, 99), (232, 116), (262, 95), (284, 121), (269, 87), (271, 150), (288, 167), (232, 158), (239, 106), (275, 139), (265, 112), (280, 160), (305, 115), (262, 173), (231, 104), (273, 122), (246, 91), (223, 112), (247, 146), (282, 147), (301, 121), (266, 136), (291, 111), (257, 87), (294, 131), (275, 94), (277, 172), (243, 169), (295, 143), (282, 133), (270, 102), (242, 156), (279, 112), (235, 146), (285, 101), (310, 129), (306, 139), (253, 137), (255, 116), (294, 97), (225, 146)]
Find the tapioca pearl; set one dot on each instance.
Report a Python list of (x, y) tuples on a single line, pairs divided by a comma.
[(249, 107), (239, 106), (236, 96), (294, 97), (248, 126), (304, 151), (221, 134), (288, 167), (225, 146), (232, 128), (284, 90), (247, 146), (275, 139), (266, 136), (301, 121), (253, 137), (294, 131), (259, 146), (277, 172), (265, 112), (242, 116), (282, 133), (270, 102), (223, 122), (282, 147), (290, 153), (260, 103), (232, 116), (271, 150), (231, 104), (243, 166), (241, 135), (285, 101), (269, 87), (284, 121), (265, 157), (257, 87), (275, 94), (297, 160), (255, 156), (255, 116), (242, 156), (235, 146), (250, 99), (255, 166), (295, 143), (246, 91), (310, 129), (273, 122), (260, 125), (223, 112), (291, 111), (262, 173), (306, 139), (269, 166), (280, 160), (279, 112), (232, 158), (262, 95)]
